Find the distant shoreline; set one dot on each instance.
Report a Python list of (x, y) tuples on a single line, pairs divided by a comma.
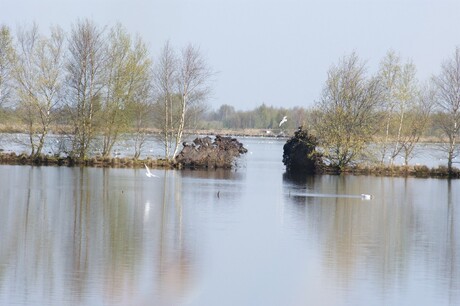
[(63, 130), (264, 133)]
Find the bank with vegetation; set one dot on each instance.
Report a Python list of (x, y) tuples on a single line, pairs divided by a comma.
[(201, 153), (304, 155)]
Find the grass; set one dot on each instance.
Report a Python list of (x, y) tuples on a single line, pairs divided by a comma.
[(396, 171), (115, 162)]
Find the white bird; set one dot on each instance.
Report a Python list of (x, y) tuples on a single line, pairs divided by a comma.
[(366, 196), (148, 173), (283, 121)]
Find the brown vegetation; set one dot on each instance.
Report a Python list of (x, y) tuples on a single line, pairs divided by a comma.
[(395, 171), (115, 162)]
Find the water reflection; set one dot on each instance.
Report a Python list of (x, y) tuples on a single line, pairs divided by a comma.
[(104, 236), (250, 236), (72, 234), (383, 249)]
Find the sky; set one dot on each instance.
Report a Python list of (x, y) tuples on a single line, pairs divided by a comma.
[(275, 52)]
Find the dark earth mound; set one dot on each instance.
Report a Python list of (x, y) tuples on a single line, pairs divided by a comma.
[(205, 153)]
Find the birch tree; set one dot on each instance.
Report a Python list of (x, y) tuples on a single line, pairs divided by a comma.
[(39, 78), (345, 120), (141, 114), (128, 74), (193, 87), (6, 64), (407, 98), (141, 98), (447, 83), (85, 82), (165, 82), (182, 84), (388, 75), (416, 122), (405, 108)]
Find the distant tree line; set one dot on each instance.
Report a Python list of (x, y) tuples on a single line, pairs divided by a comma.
[(262, 117)]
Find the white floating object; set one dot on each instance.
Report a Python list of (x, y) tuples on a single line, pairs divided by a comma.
[(365, 196)]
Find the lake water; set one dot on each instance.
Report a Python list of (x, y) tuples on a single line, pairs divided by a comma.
[(248, 236)]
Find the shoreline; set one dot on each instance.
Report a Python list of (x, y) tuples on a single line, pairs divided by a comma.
[(420, 171), (97, 162), (417, 171)]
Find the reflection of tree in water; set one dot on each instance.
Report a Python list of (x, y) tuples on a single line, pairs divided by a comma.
[(123, 232), (383, 240), (450, 263), (74, 234), (30, 233), (173, 259), (123, 245)]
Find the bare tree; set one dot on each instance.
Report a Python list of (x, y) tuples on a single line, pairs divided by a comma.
[(85, 82), (389, 72), (39, 78), (181, 83), (193, 87), (405, 109), (448, 105), (406, 100), (6, 64), (345, 120), (165, 80), (416, 122)]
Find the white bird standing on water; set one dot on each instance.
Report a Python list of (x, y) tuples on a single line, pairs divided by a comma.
[(283, 121), (148, 173)]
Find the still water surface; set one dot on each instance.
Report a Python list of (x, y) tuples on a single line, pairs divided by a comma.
[(250, 236)]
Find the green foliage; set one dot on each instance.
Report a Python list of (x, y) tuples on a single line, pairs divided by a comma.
[(127, 89), (346, 119)]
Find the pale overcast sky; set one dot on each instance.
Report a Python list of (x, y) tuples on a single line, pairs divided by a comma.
[(275, 52)]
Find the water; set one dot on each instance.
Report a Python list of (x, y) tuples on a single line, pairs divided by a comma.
[(250, 236)]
